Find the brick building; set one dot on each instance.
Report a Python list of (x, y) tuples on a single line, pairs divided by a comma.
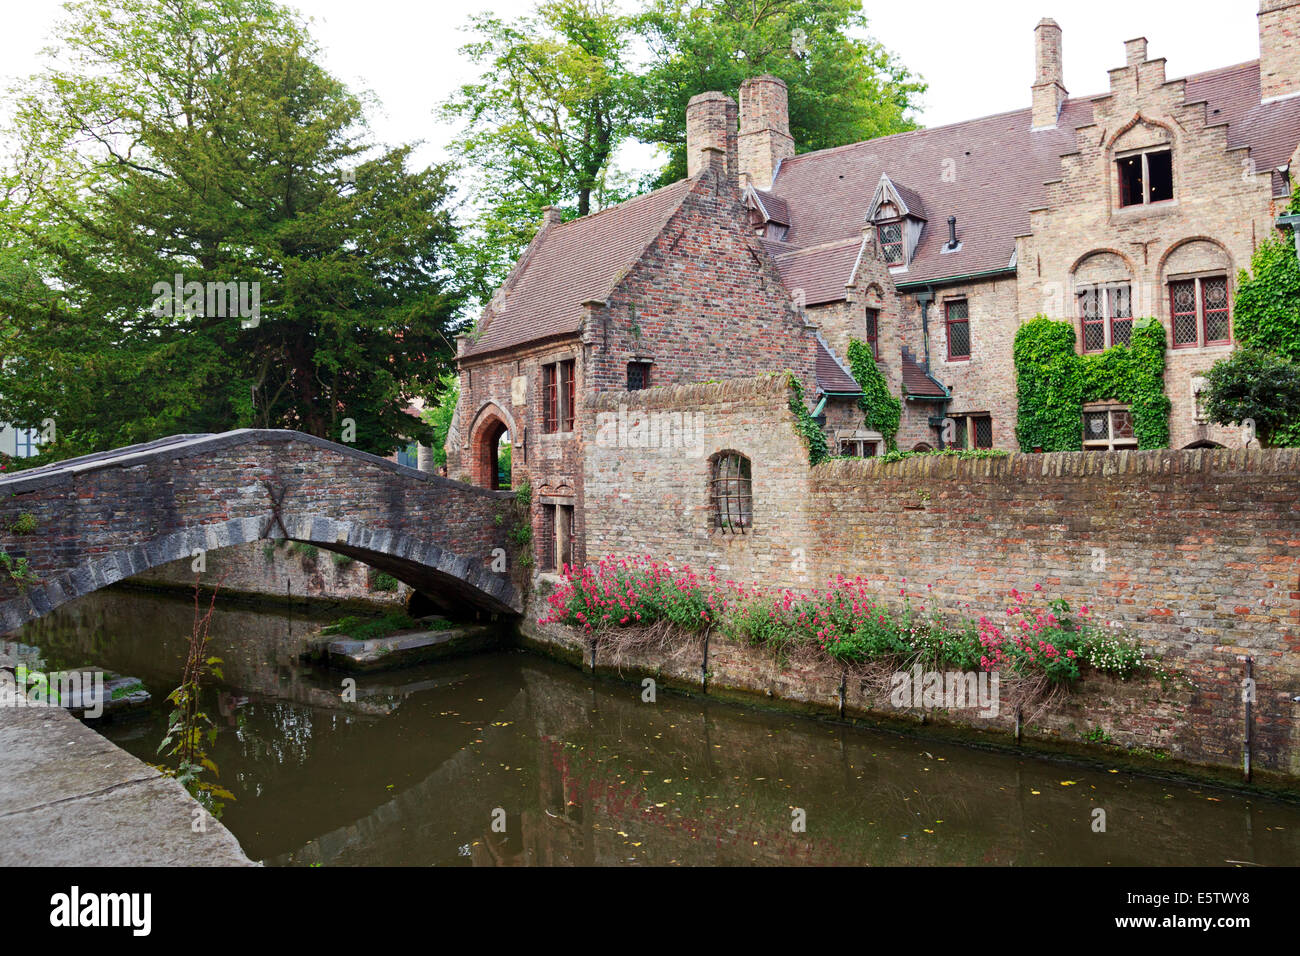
[(934, 246)]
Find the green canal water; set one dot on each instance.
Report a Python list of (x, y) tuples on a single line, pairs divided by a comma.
[(510, 759)]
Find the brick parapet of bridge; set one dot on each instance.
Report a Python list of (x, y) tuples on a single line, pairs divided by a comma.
[(104, 518)]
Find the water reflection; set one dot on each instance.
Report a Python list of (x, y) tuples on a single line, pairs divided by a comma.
[(585, 773)]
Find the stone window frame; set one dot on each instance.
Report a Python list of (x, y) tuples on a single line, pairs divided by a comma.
[(859, 443), (1202, 313), (949, 322), (1111, 443), (731, 495), (1144, 153), (969, 435), (559, 538), (1106, 294)]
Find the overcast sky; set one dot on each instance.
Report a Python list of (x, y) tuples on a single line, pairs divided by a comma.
[(977, 56)]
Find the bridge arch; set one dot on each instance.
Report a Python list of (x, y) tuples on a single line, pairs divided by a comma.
[(106, 517)]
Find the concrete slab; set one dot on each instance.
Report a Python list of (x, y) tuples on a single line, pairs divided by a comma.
[(68, 797)]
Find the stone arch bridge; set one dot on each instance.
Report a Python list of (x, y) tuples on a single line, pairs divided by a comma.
[(105, 517)]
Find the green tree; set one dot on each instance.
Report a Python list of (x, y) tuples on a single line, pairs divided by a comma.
[(201, 139), (440, 413), (555, 99), (1255, 382), (1255, 386), (563, 88), (844, 87)]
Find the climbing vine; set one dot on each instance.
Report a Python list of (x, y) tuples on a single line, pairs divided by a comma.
[(882, 410), (814, 438), (1054, 381)]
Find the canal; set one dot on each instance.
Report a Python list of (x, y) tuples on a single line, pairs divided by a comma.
[(510, 759)]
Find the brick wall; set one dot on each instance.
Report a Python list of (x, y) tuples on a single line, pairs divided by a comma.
[(702, 302), (1197, 553)]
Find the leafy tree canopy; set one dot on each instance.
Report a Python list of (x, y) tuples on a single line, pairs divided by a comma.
[(564, 89), (201, 139)]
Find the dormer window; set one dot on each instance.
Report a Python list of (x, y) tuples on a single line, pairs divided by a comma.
[(898, 216), (890, 235), (1146, 177)]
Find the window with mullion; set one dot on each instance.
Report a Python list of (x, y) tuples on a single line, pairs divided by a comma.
[(1106, 316)]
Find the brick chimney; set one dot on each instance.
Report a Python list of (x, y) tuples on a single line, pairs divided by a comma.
[(1279, 49), (765, 137), (1049, 74), (710, 124)]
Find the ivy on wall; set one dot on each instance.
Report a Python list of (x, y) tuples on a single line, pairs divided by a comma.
[(814, 438), (1266, 308), (1053, 382), (882, 410)]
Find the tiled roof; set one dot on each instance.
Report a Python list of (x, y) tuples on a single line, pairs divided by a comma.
[(573, 263), (917, 382), (915, 207), (820, 272), (999, 175), (774, 207), (831, 376)]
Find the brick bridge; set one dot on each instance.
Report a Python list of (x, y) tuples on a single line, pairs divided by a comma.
[(105, 517)]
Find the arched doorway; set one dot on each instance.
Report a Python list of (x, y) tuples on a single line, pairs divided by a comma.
[(491, 448), (492, 455)]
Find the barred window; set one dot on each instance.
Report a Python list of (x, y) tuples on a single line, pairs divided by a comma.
[(731, 492), (638, 376), (558, 396)]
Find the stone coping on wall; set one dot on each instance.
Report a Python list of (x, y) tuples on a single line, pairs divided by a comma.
[(1074, 464), (177, 447)]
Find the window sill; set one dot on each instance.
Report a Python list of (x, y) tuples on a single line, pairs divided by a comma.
[(556, 436), (1139, 210)]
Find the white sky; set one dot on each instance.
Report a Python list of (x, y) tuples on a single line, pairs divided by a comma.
[(977, 56)]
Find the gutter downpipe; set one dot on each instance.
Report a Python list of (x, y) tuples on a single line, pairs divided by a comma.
[(924, 299)]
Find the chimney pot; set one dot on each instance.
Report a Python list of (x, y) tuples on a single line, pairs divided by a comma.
[(952, 232)]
